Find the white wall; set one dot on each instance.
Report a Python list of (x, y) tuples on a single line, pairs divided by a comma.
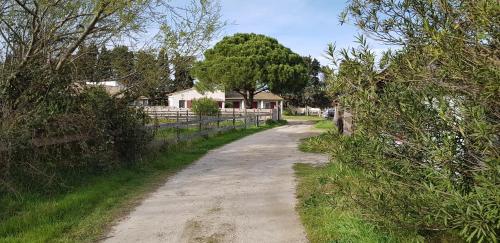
[(191, 94)]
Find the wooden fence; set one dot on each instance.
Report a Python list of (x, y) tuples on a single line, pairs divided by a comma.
[(174, 126), (183, 114), (177, 126)]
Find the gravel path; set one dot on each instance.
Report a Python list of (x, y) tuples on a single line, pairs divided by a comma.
[(241, 192)]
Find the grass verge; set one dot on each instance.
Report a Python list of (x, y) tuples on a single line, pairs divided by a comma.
[(325, 205), (324, 124), (85, 212), (303, 118)]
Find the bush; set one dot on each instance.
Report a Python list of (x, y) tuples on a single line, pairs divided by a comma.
[(426, 116), (394, 195), (205, 107), (62, 138)]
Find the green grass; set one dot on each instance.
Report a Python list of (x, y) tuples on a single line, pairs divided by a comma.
[(170, 133), (326, 207), (303, 118), (322, 213), (324, 124), (85, 212)]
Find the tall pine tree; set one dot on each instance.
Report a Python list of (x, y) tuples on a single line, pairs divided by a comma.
[(104, 70)]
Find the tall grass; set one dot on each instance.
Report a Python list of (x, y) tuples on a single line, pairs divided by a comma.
[(326, 207)]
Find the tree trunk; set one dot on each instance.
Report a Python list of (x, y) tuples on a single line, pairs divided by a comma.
[(249, 99)]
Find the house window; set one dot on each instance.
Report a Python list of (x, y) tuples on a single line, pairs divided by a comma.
[(267, 105), (236, 104), (182, 104)]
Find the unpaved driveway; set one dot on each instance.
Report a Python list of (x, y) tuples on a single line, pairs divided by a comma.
[(242, 192)]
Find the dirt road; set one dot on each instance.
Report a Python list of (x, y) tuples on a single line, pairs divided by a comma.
[(242, 192)]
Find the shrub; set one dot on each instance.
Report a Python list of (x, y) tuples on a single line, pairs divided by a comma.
[(205, 107), (426, 116), (62, 138)]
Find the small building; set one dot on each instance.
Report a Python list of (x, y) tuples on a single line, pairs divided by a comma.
[(262, 100), (184, 98)]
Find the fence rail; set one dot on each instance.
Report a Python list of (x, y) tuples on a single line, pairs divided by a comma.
[(173, 129)]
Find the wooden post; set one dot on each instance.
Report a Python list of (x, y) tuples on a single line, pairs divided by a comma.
[(199, 122), (187, 119), (177, 129), (218, 119), (257, 122), (245, 118), (234, 119)]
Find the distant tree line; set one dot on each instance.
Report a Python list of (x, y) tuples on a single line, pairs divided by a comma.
[(149, 73), (314, 93)]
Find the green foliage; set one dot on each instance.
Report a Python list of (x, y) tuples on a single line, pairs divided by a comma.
[(314, 93), (426, 117), (329, 213), (324, 124), (205, 107), (79, 133), (251, 63), (53, 127)]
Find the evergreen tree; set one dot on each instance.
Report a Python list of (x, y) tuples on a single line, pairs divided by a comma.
[(85, 63), (250, 64), (103, 69), (159, 95), (182, 66), (122, 63)]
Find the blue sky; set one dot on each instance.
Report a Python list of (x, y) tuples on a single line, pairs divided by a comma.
[(305, 26)]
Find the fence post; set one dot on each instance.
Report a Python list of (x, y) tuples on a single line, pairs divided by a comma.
[(177, 129), (234, 120), (218, 119), (257, 122), (187, 119), (246, 118), (199, 122)]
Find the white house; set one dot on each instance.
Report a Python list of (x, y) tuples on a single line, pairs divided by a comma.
[(183, 98), (262, 100)]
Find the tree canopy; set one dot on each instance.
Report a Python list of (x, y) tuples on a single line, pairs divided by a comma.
[(314, 93), (250, 64)]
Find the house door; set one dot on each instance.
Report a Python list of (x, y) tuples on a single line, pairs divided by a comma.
[(189, 103), (273, 104), (236, 104), (254, 105)]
